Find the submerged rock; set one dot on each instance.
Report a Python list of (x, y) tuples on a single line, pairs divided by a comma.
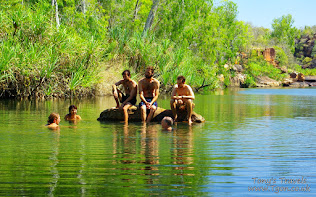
[(134, 115)]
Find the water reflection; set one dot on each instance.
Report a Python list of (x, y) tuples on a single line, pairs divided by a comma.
[(54, 159), (149, 146), (244, 136), (138, 155), (182, 151)]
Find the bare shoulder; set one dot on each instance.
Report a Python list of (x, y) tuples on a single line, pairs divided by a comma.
[(175, 88), (66, 117), (188, 87), (52, 126), (134, 83), (141, 81), (190, 90), (156, 81), (119, 82)]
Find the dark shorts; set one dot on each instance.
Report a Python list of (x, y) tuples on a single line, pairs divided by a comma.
[(133, 101), (148, 99)]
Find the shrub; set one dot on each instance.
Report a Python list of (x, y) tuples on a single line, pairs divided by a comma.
[(307, 60), (281, 57)]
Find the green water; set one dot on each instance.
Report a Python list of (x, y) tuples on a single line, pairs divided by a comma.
[(249, 134)]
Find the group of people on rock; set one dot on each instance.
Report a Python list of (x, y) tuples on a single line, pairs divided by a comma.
[(182, 97)]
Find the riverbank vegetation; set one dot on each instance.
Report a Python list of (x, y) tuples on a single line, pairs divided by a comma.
[(61, 47)]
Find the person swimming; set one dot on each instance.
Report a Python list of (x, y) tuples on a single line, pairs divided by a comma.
[(72, 113), (166, 123), (53, 121)]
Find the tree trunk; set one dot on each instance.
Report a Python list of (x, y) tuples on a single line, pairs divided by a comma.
[(151, 16), (83, 6), (137, 6), (51, 21), (57, 17)]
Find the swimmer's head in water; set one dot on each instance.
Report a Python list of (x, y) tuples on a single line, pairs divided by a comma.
[(72, 109), (53, 117), (166, 122)]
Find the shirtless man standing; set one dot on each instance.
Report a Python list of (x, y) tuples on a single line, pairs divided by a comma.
[(185, 98), (148, 93), (130, 88)]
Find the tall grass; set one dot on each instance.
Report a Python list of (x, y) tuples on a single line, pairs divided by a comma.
[(39, 60), (169, 60)]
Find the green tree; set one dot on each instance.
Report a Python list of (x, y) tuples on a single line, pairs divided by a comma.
[(284, 32), (260, 37)]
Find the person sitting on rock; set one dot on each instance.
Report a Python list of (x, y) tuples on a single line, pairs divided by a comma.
[(148, 93), (166, 123), (53, 121), (129, 99), (72, 113), (182, 97)]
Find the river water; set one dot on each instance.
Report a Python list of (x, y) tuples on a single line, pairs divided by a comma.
[(253, 139)]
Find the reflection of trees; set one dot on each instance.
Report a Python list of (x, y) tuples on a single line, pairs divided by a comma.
[(237, 108), (126, 160)]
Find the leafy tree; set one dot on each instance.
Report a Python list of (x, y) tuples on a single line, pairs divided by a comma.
[(284, 32), (260, 37), (309, 30)]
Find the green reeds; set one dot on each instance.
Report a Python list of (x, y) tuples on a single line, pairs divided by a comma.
[(40, 61)]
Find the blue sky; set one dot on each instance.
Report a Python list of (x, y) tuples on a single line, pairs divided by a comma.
[(260, 13)]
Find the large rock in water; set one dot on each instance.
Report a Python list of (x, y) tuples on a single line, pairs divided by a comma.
[(134, 115)]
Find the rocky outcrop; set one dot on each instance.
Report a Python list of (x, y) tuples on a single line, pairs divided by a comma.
[(305, 50), (238, 80), (310, 78), (300, 77), (134, 115), (299, 80), (265, 81), (299, 85), (237, 68), (269, 54), (304, 46)]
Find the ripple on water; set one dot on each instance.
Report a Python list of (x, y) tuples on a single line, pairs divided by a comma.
[(245, 136)]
